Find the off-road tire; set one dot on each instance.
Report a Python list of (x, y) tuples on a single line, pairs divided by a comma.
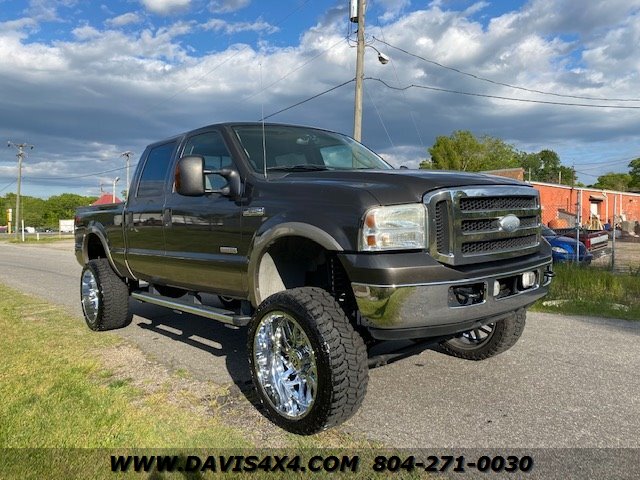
[(113, 297), (340, 355), (505, 334)]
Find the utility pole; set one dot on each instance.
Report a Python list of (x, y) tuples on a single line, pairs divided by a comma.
[(20, 155), (127, 156), (113, 195), (357, 116)]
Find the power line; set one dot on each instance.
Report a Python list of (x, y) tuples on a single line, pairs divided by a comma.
[(404, 94), (188, 86), (586, 166), (77, 176), (484, 79), (308, 99), (295, 69), (499, 97), (7, 185)]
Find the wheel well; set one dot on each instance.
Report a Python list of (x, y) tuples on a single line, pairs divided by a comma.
[(95, 249), (292, 262)]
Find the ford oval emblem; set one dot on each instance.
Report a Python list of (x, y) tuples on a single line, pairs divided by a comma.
[(509, 223)]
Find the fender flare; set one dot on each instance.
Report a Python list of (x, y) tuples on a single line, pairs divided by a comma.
[(265, 239), (98, 232)]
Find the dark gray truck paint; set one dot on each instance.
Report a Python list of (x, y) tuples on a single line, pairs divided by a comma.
[(217, 244)]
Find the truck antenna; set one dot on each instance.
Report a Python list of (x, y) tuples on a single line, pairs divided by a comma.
[(264, 140)]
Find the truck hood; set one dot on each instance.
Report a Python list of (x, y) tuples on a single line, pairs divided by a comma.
[(396, 186)]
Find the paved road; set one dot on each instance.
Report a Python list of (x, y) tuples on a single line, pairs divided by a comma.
[(569, 382)]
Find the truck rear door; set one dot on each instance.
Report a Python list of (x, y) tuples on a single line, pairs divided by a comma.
[(144, 218)]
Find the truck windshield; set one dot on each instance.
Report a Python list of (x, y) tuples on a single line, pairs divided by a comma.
[(303, 149)]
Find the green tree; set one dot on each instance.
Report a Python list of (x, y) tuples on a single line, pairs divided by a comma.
[(614, 181), (545, 166), (634, 171), (463, 151), (38, 212)]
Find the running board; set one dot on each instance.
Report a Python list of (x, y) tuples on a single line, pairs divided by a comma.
[(219, 314)]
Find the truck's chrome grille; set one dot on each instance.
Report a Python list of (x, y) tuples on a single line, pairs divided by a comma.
[(474, 248), (497, 203), (491, 225), (442, 226), (466, 225)]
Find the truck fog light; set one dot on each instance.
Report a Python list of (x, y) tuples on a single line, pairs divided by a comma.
[(496, 288), (528, 279)]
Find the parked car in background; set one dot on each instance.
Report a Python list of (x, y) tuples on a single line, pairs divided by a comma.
[(563, 249), (596, 241)]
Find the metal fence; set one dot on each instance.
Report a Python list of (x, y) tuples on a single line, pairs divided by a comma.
[(624, 256)]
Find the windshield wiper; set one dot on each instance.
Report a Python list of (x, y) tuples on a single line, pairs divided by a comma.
[(298, 168)]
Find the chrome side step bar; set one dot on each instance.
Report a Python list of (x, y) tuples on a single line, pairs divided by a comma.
[(219, 314)]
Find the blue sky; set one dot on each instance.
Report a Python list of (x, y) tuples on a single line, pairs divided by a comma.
[(84, 81)]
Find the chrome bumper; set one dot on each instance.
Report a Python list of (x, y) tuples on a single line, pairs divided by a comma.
[(443, 308)]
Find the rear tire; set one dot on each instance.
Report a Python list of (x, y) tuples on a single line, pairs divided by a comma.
[(308, 365), (104, 297), (487, 341)]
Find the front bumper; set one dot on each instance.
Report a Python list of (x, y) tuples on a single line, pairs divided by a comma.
[(443, 308)]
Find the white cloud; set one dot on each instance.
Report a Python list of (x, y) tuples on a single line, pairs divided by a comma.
[(227, 6), (392, 8), (47, 10), (230, 28), (106, 91), (164, 7), (129, 18)]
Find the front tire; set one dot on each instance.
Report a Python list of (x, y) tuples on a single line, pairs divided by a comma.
[(104, 297), (308, 364), (488, 340)]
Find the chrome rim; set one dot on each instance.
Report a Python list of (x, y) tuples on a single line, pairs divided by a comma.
[(474, 338), (90, 295), (285, 364)]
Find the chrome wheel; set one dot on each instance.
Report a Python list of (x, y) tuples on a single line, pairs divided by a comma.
[(90, 296), (285, 364), (475, 338)]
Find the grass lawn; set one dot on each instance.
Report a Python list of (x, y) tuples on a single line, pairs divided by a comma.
[(592, 291), (57, 395)]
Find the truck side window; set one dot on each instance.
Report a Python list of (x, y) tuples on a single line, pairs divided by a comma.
[(153, 176), (216, 155)]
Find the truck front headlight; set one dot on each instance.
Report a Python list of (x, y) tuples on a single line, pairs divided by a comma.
[(396, 227), (560, 250)]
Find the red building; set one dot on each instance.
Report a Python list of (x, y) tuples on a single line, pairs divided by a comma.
[(562, 202), (105, 199)]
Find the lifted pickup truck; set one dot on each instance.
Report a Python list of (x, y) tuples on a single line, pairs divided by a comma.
[(322, 249)]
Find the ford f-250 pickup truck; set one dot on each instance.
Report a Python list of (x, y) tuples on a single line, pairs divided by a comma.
[(322, 249)]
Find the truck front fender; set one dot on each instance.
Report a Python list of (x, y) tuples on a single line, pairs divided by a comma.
[(268, 236)]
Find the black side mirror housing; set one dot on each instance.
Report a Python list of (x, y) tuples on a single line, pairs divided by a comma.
[(190, 178)]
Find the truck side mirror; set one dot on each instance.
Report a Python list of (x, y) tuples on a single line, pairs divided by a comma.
[(233, 188), (190, 176)]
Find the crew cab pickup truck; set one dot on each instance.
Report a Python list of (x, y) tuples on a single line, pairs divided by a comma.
[(321, 249)]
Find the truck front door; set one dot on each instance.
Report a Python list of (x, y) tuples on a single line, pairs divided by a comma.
[(203, 234)]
